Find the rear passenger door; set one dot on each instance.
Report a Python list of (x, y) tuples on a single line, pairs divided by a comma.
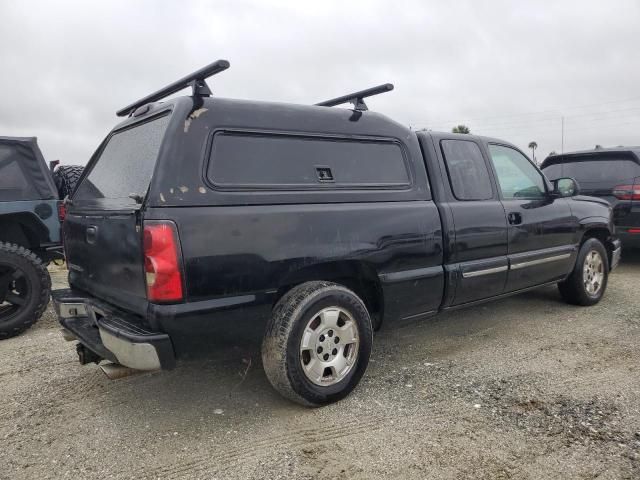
[(478, 257), (542, 229)]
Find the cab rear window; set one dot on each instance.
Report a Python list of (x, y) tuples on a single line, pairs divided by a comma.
[(125, 165)]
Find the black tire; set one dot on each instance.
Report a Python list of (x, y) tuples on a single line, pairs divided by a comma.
[(33, 284), (66, 179), (573, 289), (281, 355)]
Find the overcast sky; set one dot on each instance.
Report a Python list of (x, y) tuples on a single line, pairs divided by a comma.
[(506, 69)]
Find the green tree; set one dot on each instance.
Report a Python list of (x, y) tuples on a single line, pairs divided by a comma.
[(533, 146), (460, 129)]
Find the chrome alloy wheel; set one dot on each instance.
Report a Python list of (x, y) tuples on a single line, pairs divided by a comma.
[(329, 346), (593, 272)]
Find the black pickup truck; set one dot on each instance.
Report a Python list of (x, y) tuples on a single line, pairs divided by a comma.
[(197, 213)]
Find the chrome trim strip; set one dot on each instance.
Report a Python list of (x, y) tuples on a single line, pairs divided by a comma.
[(540, 261), (488, 271), (409, 275)]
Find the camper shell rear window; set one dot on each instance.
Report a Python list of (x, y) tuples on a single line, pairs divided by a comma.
[(125, 164)]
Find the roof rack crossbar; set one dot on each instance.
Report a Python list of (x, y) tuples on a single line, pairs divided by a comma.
[(195, 80), (357, 98)]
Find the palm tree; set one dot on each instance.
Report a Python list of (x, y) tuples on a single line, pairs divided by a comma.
[(533, 146), (460, 129)]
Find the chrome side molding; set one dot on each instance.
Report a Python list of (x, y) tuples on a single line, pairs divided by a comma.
[(540, 261), (487, 271)]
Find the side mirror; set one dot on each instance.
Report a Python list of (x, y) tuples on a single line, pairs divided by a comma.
[(565, 187)]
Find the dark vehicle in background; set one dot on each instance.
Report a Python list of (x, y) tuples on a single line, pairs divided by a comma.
[(609, 173), (30, 215), (199, 213)]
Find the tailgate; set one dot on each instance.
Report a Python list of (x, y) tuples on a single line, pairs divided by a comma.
[(102, 234), (105, 257)]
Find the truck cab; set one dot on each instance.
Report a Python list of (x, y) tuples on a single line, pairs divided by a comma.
[(198, 214)]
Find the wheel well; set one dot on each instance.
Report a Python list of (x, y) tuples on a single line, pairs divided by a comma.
[(22, 229), (601, 234), (359, 277)]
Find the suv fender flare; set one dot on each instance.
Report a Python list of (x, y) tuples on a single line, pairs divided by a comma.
[(21, 227)]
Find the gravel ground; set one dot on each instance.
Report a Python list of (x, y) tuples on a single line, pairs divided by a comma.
[(526, 387)]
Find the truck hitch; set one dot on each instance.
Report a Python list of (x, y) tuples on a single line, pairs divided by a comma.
[(87, 356)]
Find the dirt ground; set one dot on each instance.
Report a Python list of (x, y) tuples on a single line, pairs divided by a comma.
[(526, 387)]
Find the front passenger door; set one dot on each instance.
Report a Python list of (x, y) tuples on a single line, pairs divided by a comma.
[(541, 227)]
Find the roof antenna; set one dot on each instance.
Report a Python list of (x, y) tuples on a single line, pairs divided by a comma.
[(195, 80), (357, 98)]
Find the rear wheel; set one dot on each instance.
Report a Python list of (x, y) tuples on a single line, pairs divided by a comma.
[(588, 281), (25, 286), (66, 179), (317, 344)]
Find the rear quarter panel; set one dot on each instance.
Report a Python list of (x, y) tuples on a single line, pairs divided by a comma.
[(43, 215), (251, 251)]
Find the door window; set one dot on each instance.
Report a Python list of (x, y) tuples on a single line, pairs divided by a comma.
[(517, 177), (467, 170)]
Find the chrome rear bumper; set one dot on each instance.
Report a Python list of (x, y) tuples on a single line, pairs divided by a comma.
[(112, 334)]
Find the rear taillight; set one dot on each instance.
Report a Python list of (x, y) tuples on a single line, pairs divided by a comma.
[(62, 211), (627, 192), (162, 262)]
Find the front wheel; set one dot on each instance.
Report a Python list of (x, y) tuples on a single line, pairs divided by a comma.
[(317, 344), (588, 281)]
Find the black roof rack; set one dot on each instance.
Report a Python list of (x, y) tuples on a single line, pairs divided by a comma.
[(194, 80), (357, 98)]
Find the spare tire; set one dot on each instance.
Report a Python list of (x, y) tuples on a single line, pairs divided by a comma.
[(66, 178)]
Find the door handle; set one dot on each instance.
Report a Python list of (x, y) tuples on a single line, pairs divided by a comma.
[(91, 235), (515, 218)]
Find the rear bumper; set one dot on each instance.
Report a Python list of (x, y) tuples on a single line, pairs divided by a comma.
[(112, 334)]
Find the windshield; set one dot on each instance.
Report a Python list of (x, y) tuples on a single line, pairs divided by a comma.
[(125, 166)]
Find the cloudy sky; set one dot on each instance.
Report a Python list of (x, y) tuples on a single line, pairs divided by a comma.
[(506, 69)]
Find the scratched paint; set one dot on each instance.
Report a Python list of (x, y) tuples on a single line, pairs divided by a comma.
[(195, 114)]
